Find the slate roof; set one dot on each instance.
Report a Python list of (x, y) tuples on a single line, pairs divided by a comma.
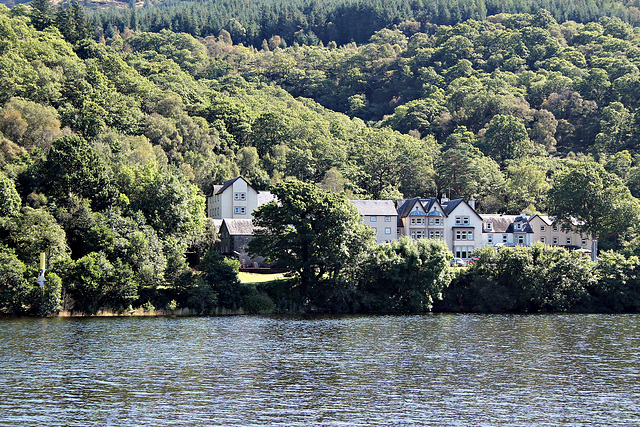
[(375, 207), (239, 227), (499, 222), (405, 206), (228, 183), (450, 205), (215, 189)]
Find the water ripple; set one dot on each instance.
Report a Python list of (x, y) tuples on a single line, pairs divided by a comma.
[(456, 370)]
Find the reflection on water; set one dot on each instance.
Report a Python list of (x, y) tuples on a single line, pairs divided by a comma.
[(408, 370)]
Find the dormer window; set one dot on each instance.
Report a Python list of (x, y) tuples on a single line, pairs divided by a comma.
[(518, 226), (489, 226)]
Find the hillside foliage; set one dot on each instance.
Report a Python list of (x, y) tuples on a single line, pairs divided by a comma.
[(110, 137)]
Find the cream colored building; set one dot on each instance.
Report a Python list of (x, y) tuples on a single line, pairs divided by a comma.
[(545, 231), (454, 221), (381, 216), (525, 230), (235, 199)]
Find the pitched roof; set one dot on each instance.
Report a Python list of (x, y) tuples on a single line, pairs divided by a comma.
[(228, 183), (500, 223), (405, 206), (450, 205), (375, 207), (239, 227), (215, 189)]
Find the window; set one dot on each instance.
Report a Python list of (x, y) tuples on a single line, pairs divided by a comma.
[(435, 234), (568, 240), (463, 251), (490, 238), (240, 196), (521, 240), (462, 220), (435, 221), (504, 238), (555, 228), (464, 235), (387, 219), (489, 226), (374, 218), (543, 240), (241, 210), (583, 242), (518, 226), (543, 228), (417, 220), (387, 230), (555, 240), (417, 234)]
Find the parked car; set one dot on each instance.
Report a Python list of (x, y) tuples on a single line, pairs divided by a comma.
[(457, 262), (473, 260)]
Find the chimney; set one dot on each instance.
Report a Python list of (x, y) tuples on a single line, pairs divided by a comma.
[(444, 199), (472, 203)]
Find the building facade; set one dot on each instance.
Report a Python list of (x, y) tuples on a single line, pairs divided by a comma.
[(235, 199), (454, 221), (525, 230), (381, 216)]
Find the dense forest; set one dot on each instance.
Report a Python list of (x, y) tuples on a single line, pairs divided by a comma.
[(110, 136)]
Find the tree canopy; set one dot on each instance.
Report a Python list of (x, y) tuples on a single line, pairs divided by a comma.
[(312, 233)]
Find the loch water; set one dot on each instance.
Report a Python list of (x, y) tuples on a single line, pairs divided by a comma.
[(449, 370)]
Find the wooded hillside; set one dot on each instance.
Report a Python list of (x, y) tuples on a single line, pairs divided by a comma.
[(109, 142)]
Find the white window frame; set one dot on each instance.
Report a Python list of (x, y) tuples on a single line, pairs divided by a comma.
[(555, 240), (543, 239), (543, 228), (387, 230), (489, 238), (489, 226), (569, 240), (387, 219), (505, 239), (521, 240), (373, 218)]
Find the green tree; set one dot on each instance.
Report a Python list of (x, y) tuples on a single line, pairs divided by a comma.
[(506, 138), (41, 14), (313, 234), (221, 274), (405, 276), (9, 198), (73, 167), (587, 198), (14, 289)]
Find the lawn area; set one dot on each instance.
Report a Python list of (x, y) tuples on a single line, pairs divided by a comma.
[(245, 277)]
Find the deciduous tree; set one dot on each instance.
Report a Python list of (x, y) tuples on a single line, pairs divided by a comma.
[(312, 233)]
